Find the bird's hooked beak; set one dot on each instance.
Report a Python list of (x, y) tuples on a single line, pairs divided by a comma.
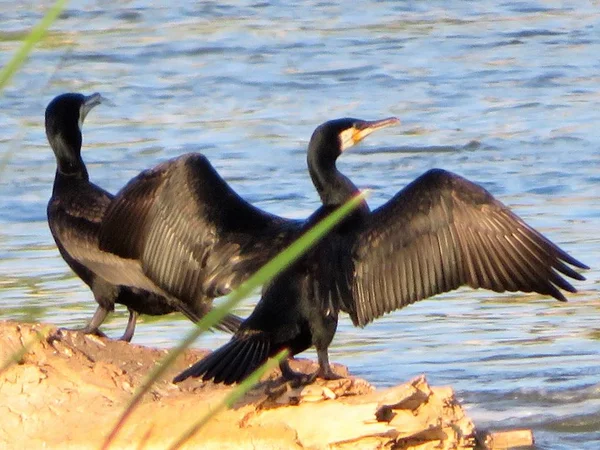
[(89, 102), (362, 129)]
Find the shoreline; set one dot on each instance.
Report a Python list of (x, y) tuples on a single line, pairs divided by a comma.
[(68, 390)]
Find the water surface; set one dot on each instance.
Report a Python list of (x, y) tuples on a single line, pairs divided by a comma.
[(503, 93)]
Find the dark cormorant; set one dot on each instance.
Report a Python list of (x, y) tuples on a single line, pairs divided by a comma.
[(181, 229), (438, 233), (75, 212)]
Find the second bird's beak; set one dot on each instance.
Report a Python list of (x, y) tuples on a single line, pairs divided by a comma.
[(363, 128), (89, 102)]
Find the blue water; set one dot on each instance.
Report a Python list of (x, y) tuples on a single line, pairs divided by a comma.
[(503, 93)]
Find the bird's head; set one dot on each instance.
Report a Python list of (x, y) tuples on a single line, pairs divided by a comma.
[(64, 118), (332, 138)]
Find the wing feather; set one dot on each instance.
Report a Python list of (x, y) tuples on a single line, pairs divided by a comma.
[(441, 232), (192, 234)]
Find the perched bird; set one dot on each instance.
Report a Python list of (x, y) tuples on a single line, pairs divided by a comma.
[(179, 229), (75, 213), (182, 228), (437, 234)]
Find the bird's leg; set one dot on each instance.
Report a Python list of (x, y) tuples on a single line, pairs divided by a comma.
[(325, 371), (93, 326), (297, 378), (130, 329)]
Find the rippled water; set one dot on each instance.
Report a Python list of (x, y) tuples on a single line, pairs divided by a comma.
[(504, 93)]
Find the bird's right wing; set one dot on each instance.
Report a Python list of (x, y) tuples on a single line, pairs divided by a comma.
[(441, 232), (194, 236)]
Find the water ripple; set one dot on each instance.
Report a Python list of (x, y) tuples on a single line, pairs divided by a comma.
[(506, 94)]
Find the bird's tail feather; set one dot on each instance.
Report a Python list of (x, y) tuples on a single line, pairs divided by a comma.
[(232, 362)]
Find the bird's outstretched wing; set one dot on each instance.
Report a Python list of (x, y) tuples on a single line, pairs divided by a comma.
[(441, 232), (193, 235)]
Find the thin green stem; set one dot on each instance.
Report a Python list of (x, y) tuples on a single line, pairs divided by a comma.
[(261, 277), (230, 399), (35, 36)]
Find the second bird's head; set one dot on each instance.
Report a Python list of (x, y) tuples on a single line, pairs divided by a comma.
[(331, 138), (64, 118)]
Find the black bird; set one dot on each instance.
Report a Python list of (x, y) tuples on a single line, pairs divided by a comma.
[(181, 230), (75, 213), (438, 233)]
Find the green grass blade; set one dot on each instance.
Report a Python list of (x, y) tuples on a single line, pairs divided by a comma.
[(35, 36), (230, 399), (261, 277)]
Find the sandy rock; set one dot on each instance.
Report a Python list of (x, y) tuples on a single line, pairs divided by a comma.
[(68, 390)]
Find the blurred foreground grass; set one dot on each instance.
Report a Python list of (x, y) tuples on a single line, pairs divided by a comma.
[(36, 35), (33, 37), (260, 278), (263, 276)]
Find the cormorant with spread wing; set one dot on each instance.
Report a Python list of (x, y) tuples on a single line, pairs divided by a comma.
[(437, 234)]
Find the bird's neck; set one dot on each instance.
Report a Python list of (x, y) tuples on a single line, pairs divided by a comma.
[(68, 159), (333, 187), (72, 168), (67, 170)]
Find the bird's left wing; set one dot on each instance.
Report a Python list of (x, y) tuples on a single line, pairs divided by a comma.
[(441, 232)]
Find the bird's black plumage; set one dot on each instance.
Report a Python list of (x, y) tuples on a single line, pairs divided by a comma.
[(438, 233), (190, 233), (75, 213)]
